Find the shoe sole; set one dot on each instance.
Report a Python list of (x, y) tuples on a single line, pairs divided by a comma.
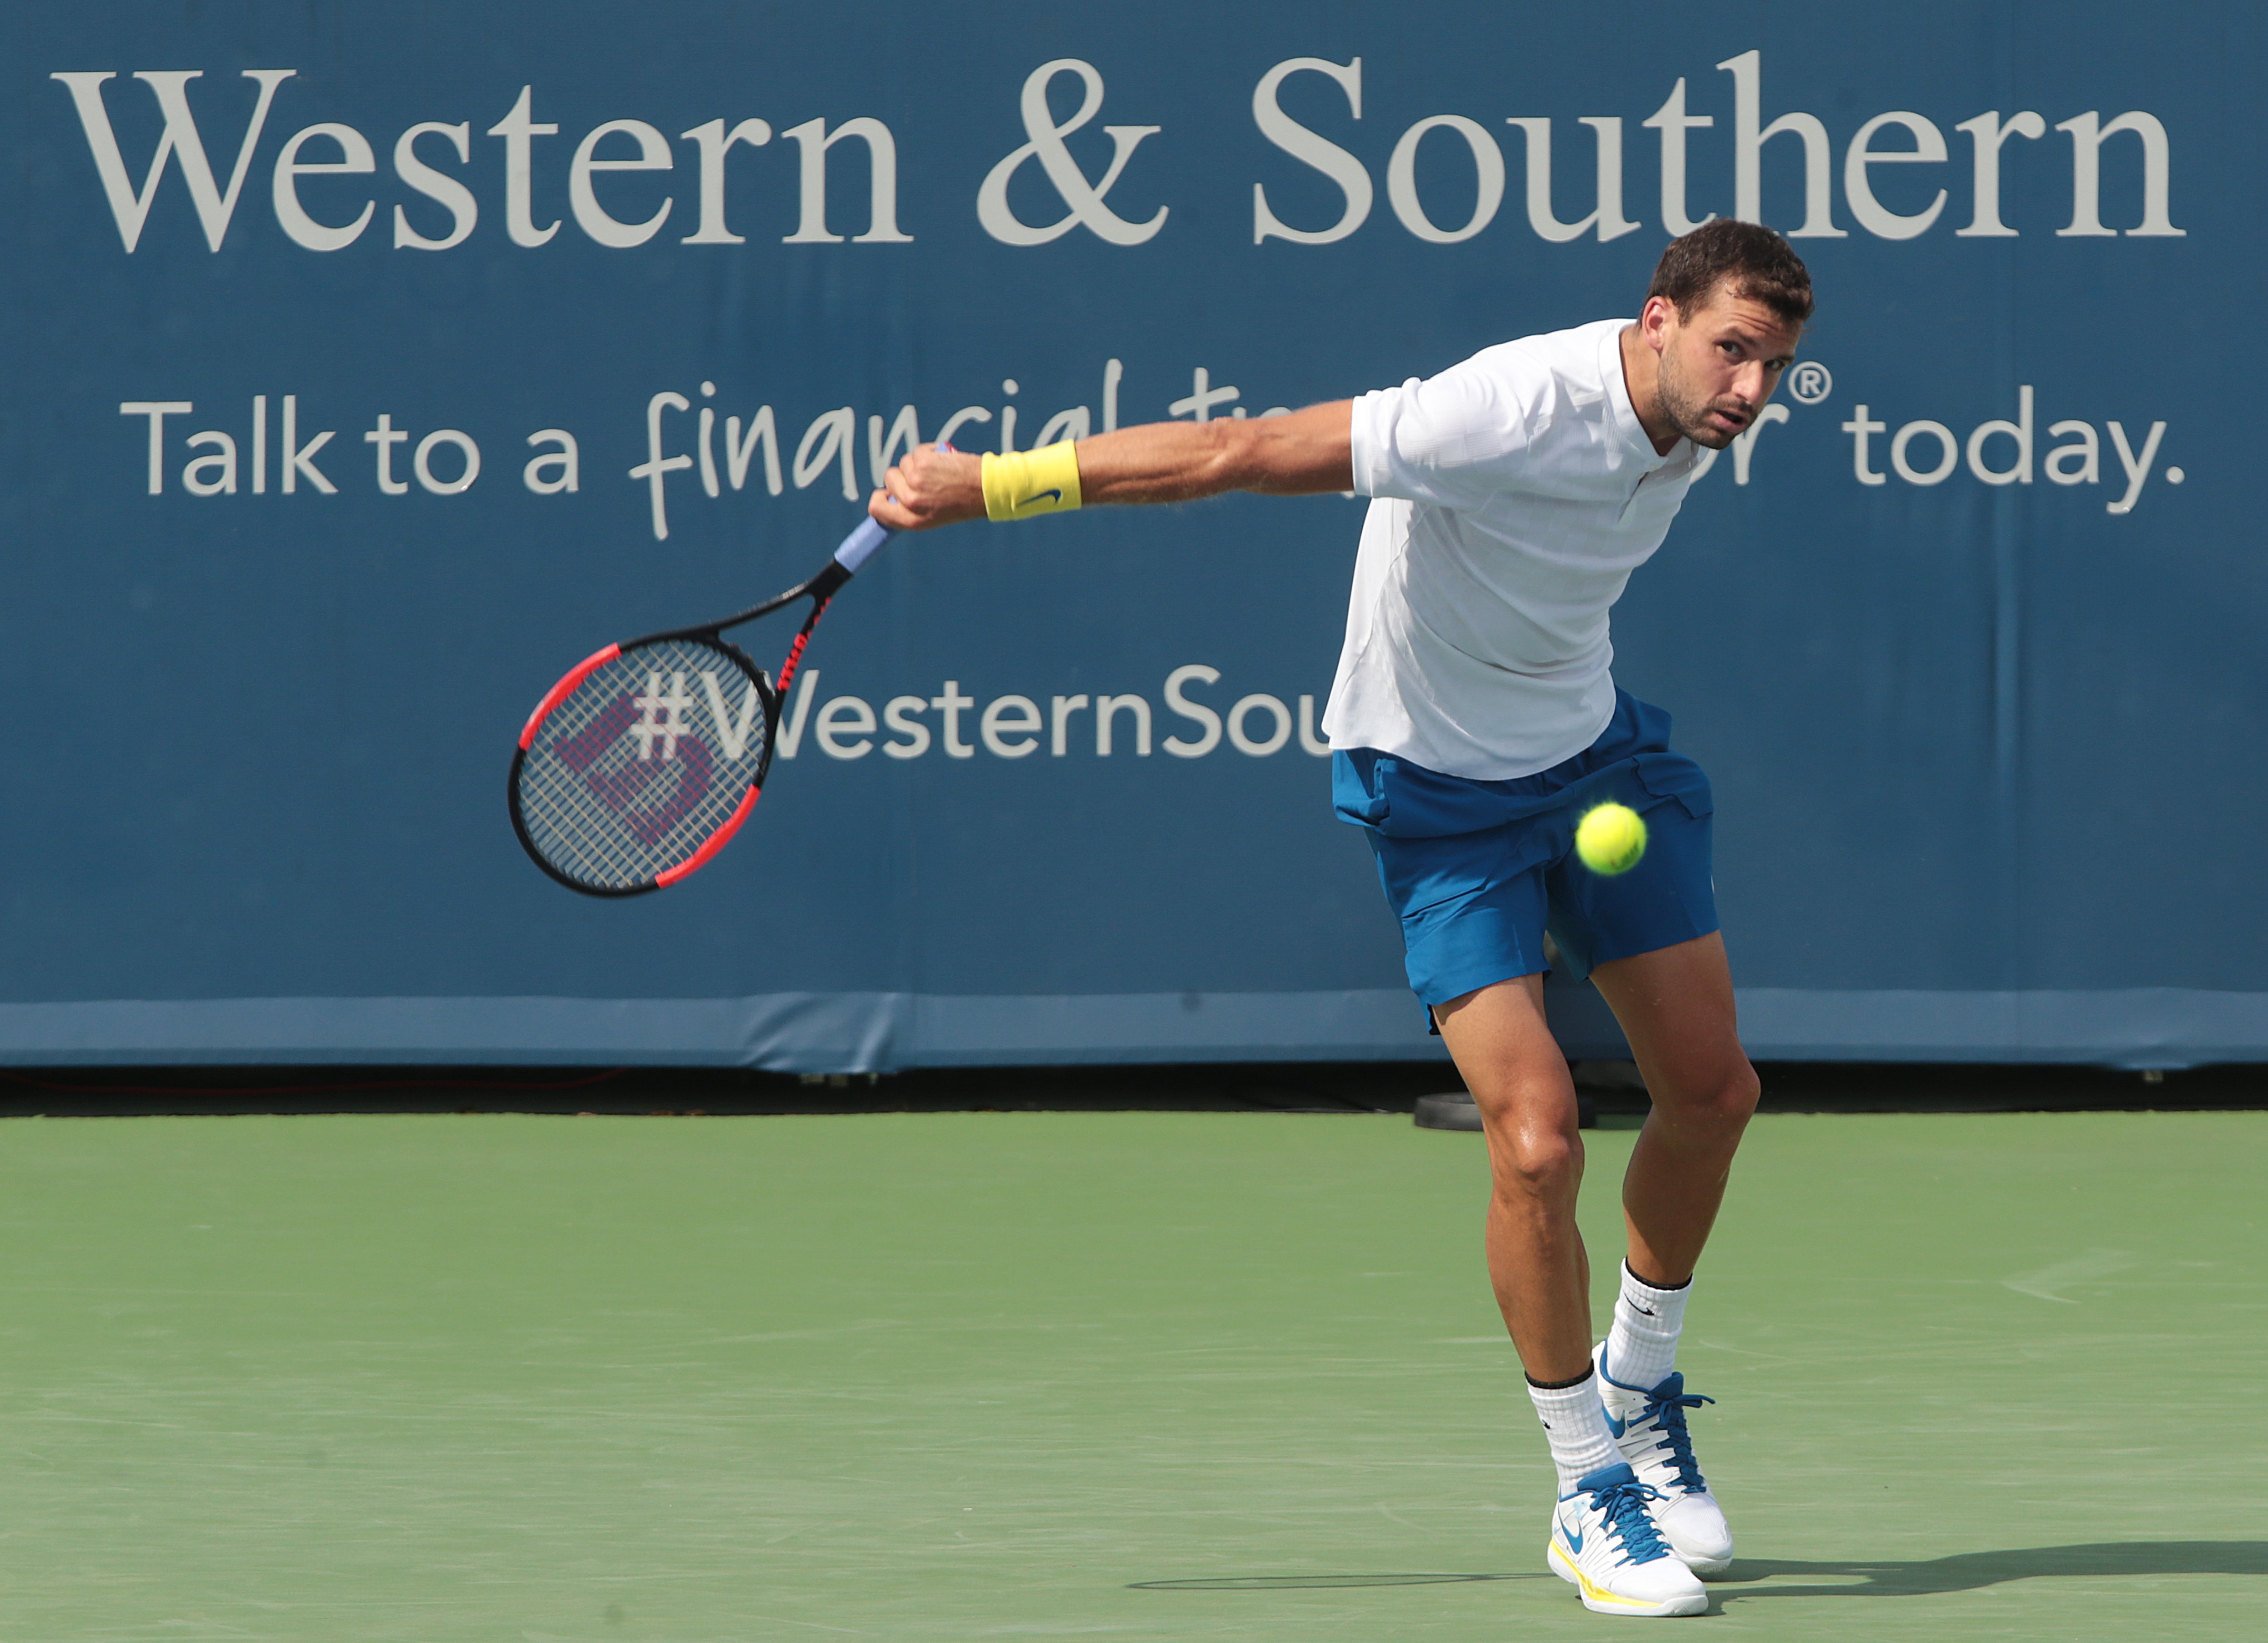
[(1707, 1567), (1600, 1601)]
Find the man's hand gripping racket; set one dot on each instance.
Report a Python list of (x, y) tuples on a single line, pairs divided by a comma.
[(645, 759)]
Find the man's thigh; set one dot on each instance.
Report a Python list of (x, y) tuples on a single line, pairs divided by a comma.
[(1676, 1006), (1504, 1048)]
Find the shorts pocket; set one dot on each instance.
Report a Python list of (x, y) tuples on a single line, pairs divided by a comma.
[(1673, 777), (1424, 875)]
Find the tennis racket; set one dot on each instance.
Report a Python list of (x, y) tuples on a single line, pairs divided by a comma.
[(641, 764)]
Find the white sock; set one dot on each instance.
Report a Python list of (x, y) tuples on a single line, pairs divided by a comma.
[(1576, 1423), (1642, 1346)]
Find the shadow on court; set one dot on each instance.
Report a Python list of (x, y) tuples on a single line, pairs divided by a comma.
[(1968, 1571), (1319, 1582), (1964, 1572)]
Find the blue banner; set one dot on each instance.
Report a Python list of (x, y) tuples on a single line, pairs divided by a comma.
[(374, 363)]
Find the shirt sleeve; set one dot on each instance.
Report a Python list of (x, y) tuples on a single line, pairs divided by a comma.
[(1452, 439)]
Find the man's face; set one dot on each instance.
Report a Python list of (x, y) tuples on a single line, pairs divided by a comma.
[(1720, 363)]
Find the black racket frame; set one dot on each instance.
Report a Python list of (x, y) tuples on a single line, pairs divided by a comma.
[(819, 589)]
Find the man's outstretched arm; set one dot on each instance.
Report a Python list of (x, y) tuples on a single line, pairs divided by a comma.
[(1304, 453)]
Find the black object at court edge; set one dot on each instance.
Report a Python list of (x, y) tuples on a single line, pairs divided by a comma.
[(1455, 1109)]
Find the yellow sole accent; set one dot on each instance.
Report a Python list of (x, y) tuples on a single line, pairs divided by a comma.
[(1568, 1569)]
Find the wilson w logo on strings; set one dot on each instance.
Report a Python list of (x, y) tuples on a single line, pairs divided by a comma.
[(647, 755)]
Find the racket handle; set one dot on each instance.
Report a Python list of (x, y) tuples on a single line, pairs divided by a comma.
[(860, 545)]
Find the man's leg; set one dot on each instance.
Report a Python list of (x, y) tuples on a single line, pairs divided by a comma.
[(1519, 1079), (1675, 1007), (1603, 1540)]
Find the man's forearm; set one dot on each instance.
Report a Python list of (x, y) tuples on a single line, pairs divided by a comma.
[(1303, 452), (1299, 454)]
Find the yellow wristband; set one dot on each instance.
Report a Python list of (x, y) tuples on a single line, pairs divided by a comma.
[(1023, 484)]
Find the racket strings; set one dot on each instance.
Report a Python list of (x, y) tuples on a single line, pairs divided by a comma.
[(642, 763)]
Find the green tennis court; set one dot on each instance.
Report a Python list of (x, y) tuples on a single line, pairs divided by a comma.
[(1134, 1375)]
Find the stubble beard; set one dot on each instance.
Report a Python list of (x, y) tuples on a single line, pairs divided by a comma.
[(1690, 414)]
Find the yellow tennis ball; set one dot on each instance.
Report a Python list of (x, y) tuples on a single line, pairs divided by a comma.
[(1610, 839)]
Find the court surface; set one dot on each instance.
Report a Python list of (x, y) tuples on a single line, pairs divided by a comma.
[(1137, 1376)]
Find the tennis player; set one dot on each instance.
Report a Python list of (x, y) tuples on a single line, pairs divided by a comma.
[(1473, 722)]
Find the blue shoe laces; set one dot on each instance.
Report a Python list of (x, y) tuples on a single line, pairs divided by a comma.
[(1624, 1507), (1666, 1406)]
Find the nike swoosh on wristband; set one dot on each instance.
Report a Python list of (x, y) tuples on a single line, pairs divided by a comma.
[(1038, 496)]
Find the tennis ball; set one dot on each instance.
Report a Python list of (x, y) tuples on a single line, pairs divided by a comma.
[(1610, 839)]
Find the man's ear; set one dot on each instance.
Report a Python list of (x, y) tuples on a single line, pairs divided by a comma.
[(1654, 321)]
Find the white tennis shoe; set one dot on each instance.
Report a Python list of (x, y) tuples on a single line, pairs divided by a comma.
[(1605, 1544), (1648, 1425)]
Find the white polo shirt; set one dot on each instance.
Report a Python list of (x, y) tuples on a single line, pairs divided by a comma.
[(1513, 495)]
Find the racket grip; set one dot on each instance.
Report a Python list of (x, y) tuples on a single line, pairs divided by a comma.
[(860, 545)]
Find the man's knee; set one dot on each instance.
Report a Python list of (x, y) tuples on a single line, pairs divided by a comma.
[(1723, 1097), (1734, 1100), (1535, 1161)]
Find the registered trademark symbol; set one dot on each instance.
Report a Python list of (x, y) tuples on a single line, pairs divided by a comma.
[(1810, 382)]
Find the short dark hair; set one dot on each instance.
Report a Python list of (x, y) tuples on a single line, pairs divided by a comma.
[(1755, 262)]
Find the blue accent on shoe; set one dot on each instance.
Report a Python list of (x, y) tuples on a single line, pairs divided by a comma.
[(1619, 1497), (1666, 1405), (1605, 1477), (1613, 1425)]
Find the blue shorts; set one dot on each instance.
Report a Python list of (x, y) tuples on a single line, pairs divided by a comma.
[(1478, 871)]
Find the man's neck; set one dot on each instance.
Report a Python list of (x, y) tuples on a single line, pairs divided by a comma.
[(1642, 380)]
